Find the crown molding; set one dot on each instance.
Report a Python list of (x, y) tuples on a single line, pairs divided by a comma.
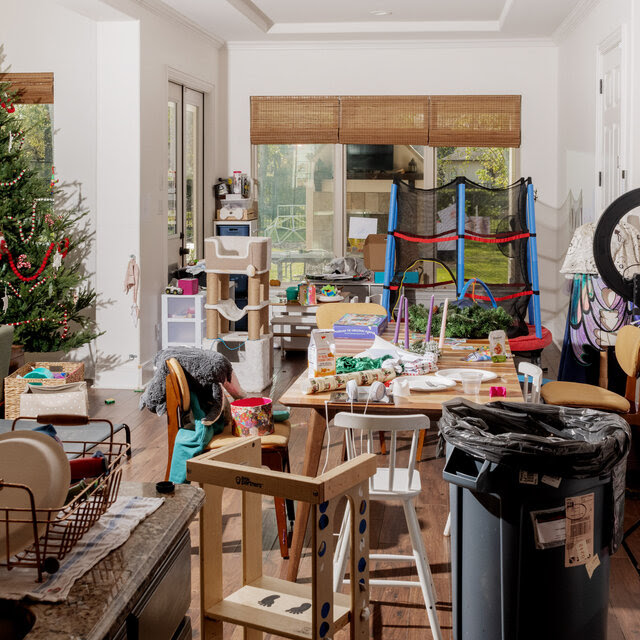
[(335, 45), (301, 28), (163, 10), (574, 19)]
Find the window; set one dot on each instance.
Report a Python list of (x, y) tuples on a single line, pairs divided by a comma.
[(295, 204), (34, 110), (362, 143), (492, 168), (36, 120), (370, 169)]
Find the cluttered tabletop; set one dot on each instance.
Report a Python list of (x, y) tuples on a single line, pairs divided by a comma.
[(426, 393)]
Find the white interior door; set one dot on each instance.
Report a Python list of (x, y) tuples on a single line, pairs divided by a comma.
[(612, 174), (185, 195)]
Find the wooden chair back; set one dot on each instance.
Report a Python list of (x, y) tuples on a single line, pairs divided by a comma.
[(628, 356), (370, 425), (329, 313), (178, 401)]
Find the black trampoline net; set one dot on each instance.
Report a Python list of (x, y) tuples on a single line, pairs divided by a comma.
[(496, 242)]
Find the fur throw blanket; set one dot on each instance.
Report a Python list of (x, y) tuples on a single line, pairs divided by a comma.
[(205, 372)]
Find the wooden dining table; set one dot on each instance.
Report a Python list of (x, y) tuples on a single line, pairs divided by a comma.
[(427, 403)]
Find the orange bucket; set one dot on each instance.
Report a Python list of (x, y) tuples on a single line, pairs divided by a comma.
[(252, 417)]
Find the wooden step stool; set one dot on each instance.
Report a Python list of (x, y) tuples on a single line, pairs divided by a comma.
[(271, 605)]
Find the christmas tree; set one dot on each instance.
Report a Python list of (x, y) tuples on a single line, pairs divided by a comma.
[(44, 291)]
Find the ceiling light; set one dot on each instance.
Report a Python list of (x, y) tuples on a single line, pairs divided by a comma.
[(380, 12)]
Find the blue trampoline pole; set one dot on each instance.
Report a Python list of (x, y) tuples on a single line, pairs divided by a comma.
[(390, 256), (533, 259), (460, 217)]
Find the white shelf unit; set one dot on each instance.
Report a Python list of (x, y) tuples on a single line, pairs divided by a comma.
[(183, 320)]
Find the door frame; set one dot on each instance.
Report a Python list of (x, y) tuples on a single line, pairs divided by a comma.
[(209, 150), (618, 37)]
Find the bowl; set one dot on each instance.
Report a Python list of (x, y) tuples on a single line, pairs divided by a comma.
[(471, 381)]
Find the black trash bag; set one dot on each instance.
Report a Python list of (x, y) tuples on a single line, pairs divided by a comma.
[(546, 439)]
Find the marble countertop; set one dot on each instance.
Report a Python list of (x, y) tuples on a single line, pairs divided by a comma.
[(102, 598)]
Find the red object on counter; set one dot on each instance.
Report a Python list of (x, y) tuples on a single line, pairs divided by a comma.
[(87, 467)]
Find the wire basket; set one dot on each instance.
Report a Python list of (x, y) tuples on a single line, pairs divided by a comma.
[(63, 527)]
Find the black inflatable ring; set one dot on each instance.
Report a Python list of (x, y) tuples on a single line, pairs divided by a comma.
[(602, 243)]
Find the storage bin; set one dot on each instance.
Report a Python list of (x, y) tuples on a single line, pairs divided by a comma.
[(15, 383)]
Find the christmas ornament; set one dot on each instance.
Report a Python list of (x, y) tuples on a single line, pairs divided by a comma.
[(54, 180), (57, 260), (23, 263), (7, 104), (5, 301), (13, 136)]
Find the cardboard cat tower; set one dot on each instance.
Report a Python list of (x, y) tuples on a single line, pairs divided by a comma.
[(250, 352)]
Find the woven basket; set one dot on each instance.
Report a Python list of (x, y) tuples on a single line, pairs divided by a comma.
[(14, 385)]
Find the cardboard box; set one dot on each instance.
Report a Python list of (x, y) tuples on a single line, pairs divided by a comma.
[(375, 249), (359, 325)]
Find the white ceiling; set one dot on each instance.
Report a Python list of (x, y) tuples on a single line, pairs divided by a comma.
[(331, 20)]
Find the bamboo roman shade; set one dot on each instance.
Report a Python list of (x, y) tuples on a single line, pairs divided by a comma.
[(294, 119), (474, 121), (31, 88), (383, 120), (439, 121)]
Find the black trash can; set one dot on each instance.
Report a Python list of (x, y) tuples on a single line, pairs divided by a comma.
[(537, 503)]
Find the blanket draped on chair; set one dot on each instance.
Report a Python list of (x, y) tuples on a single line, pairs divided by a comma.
[(205, 372)]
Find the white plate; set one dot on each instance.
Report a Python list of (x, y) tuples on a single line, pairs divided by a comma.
[(454, 374), (34, 459), (428, 383), (321, 298)]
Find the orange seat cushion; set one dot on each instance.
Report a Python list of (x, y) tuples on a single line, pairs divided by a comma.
[(278, 439), (575, 394)]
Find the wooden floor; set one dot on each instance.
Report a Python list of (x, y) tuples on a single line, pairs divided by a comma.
[(397, 612)]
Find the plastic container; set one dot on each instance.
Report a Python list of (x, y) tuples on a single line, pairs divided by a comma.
[(471, 381), (252, 417), (537, 505), (237, 182)]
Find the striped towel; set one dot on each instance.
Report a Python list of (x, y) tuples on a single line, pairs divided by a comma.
[(109, 532)]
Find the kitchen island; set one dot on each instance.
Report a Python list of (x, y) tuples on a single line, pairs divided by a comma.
[(141, 589)]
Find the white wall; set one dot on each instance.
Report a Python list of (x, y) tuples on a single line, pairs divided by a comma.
[(577, 99), (111, 63), (384, 68)]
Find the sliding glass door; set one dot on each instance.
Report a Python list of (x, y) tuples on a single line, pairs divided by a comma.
[(185, 176)]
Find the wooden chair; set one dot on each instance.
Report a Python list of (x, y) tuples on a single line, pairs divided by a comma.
[(390, 483), (575, 394), (327, 314), (275, 446)]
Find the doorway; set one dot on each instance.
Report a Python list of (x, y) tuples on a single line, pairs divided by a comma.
[(185, 194), (612, 174)]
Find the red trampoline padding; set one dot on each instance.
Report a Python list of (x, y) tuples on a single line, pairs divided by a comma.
[(530, 342)]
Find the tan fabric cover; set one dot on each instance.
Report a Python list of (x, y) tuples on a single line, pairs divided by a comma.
[(574, 394), (628, 350), (279, 437)]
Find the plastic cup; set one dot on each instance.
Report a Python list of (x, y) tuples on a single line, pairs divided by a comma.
[(471, 381)]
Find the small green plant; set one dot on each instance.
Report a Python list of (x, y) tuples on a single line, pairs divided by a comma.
[(473, 321)]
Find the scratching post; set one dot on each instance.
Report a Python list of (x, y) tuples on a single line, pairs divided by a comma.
[(250, 352)]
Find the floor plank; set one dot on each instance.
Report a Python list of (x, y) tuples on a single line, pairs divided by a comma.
[(397, 614)]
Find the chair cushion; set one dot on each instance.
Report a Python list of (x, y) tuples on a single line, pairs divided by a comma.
[(574, 394), (279, 437)]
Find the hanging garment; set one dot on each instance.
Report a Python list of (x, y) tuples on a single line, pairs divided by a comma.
[(131, 283)]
